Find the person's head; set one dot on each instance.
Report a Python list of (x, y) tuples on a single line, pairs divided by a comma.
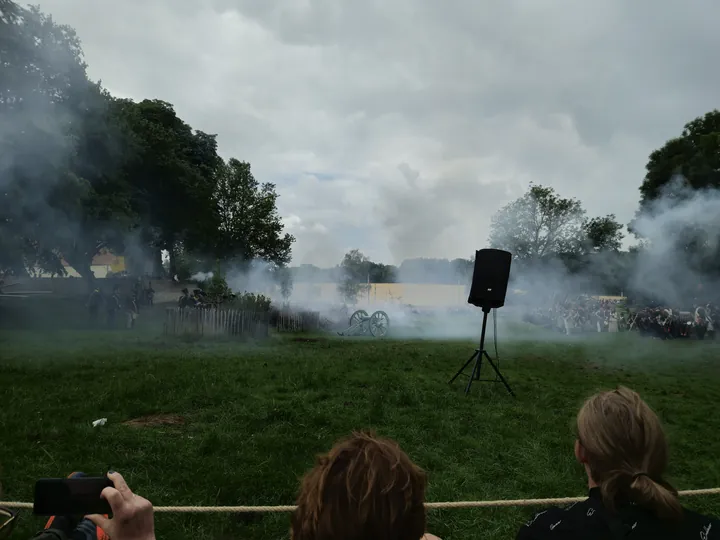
[(621, 442), (366, 487)]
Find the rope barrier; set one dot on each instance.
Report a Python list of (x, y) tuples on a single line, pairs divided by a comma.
[(455, 504)]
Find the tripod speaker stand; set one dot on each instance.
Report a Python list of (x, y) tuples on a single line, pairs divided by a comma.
[(478, 356), (487, 291)]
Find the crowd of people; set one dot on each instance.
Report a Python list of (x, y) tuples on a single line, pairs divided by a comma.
[(368, 488), (667, 323), (578, 314), (198, 298), (591, 314), (120, 303)]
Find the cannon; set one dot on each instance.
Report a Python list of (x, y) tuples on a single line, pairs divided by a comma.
[(362, 324)]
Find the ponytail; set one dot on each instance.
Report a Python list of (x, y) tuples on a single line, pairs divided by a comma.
[(626, 452), (655, 495)]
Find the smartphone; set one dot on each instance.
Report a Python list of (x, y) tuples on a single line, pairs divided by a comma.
[(71, 496)]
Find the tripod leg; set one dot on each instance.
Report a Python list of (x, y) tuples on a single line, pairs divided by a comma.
[(475, 375), (497, 372), (479, 367), (464, 366)]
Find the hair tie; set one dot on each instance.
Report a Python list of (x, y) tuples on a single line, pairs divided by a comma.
[(638, 475)]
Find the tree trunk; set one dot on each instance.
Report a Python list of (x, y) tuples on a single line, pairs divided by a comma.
[(82, 264), (158, 270), (173, 259), (18, 269)]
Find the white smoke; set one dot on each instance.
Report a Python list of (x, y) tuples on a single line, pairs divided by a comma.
[(667, 267), (202, 276)]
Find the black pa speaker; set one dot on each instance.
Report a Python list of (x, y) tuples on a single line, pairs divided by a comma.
[(490, 278)]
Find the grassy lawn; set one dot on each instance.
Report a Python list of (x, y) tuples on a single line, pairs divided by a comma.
[(254, 416)]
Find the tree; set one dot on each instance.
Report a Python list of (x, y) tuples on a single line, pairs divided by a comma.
[(173, 175), (676, 175), (538, 224), (81, 171), (285, 280), (603, 234), (381, 273), (695, 155), (354, 277), (249, 223), (92, 205), (44, 96)]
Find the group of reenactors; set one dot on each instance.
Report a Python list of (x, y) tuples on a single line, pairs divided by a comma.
[(589, 314), (118, 305), (194, 300), (667, 323), (578, 314), (200, 299)]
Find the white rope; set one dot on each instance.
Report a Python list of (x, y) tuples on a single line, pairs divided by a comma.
[(455, 504)]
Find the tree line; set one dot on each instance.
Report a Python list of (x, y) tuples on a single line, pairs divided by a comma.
[(83, 171)]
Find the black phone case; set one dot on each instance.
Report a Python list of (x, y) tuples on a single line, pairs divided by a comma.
[(70, 496)]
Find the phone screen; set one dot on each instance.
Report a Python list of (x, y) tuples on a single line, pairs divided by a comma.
[(71, 496)]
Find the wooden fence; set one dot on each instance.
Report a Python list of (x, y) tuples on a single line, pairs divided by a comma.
[(296, 321), (231, 322), (216, 322)]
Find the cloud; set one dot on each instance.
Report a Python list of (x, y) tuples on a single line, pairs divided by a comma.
[(417, 119)]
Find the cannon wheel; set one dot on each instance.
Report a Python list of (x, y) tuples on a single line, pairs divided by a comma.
[(379, 324), (358, 319)]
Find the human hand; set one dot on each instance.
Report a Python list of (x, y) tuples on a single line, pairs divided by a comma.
[(132, 515)]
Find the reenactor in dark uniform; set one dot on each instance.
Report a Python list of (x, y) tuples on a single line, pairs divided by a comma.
[(149, 294), (131, 310), (186, 300), (137, 290), (199, 297), (114, 305), (93, 305)]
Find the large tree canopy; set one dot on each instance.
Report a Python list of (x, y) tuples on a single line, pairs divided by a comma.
[(248, 219), (82, 171), (695, 156), (173, 178), (679, 213), (541, 224), (44, 99)]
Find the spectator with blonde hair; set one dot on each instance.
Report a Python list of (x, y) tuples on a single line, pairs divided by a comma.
[(621, 444), (365, 488)]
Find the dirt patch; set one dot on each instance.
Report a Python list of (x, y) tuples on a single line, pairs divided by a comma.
[(156, 420), (306, 340)]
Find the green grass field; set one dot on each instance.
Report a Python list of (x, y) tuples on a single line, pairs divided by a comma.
[(252, 417)]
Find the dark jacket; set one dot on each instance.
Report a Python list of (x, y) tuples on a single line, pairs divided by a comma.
[(589, 520)]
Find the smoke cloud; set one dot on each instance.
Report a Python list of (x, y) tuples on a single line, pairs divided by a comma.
[(681, 232), (202, 276), (422, 216)]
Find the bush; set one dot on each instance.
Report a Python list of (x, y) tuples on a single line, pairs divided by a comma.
[(220, 293), (216, 286), (250, 302)]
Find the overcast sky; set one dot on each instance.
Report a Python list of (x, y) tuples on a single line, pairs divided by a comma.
[(399, 126)]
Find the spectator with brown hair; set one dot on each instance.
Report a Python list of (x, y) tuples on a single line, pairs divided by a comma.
[(365, 488), (622, 446)]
